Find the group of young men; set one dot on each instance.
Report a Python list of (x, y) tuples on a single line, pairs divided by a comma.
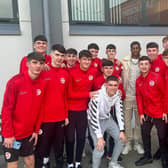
[(55, 98)]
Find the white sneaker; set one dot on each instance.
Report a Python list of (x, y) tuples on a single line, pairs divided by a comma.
[(114, 165), (138, 147), (126, 149)]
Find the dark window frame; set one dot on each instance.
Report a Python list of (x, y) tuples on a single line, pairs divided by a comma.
[(10, 26), (104, 28)]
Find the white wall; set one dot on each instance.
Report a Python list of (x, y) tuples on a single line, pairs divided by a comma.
[(13, 48), (122, 42)]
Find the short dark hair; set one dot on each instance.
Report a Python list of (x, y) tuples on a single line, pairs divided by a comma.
[(71, 51), (93, 45), (144, 58), (85, 53), (59, 48), (165, 39), (165, 52), (135, 43), (36, 56), (40, 38), (152, 45), (111, 46), (106, 62), (112, 78)]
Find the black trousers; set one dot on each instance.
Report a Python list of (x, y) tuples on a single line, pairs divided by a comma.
[(52, 136), (76, 128), (146, 135)]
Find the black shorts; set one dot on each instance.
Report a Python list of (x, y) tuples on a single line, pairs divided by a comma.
[(26, 149)]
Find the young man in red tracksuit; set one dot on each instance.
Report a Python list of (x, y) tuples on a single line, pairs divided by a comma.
[(96, 62), (80, 85), (150, 101), (111, 54), (157, 64), (71, 59), (55, 111), (39, 45), (21, 112)]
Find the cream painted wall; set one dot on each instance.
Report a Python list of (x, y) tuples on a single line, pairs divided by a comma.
[(14, 47), (122, 42)]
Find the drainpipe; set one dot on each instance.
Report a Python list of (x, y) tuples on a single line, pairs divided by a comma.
[(46, 22)]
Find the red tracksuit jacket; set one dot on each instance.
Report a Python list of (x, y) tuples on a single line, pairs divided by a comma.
[(23, 66), (117, 68), (80, 84), (158, 66), (150, 95), (99, 81), (166, 91), (55, 105), (21, 110), (97, 64)]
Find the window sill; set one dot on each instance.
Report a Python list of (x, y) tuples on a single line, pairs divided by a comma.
[(94, 30), (10, 29)]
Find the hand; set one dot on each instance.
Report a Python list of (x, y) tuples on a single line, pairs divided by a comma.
[(120, 93), (8, 142), (93, 94), (118, 62), (164, 117), (142, 119), (63, 65), (120, 80), (122, 137), (46, 67), (35, 137), (100, 144), (66, 121)]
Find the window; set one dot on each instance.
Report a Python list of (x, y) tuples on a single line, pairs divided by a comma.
[(9, 17), (119, 12)]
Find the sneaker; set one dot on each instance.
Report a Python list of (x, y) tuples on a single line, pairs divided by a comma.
[(138, 147), (126, 149), (71, 165), (114, 165), (108, 157), (143, 161)]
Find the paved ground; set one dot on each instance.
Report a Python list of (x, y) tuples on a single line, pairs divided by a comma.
[(128, 160)]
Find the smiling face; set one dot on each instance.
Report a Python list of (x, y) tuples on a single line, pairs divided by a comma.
[(71, 59), (85, 63), (94, 52), (144, 67), (152, 53), (57, 58), (107, 71), (111, 87), (40, 46), (111, 53)]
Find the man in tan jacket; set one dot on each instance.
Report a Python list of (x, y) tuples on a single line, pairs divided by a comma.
[(129, 74)]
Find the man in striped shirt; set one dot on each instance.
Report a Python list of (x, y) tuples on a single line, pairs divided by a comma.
[(100, 121)]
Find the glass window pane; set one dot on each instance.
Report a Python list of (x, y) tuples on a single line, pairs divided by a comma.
[(139, 12), (88, 10), (7, 9)]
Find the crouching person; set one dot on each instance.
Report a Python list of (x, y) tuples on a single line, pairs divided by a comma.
[(100, 120)]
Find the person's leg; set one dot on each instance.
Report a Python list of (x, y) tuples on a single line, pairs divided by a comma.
[(29, 161), (70, 138), (114, 132), (44, 144), (128, 111), (90, 140), (59, 143), (137, 131), (97, 155), (161, 131), (146, 138), (81, 126)]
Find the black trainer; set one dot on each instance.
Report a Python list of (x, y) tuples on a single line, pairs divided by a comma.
[(143, 160)]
